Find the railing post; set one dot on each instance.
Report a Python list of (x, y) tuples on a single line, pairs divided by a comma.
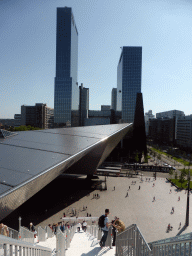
[(16, 252), (20, 227), (5, 249)]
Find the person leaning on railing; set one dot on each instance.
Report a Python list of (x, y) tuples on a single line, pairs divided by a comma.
[(119, 225), (4, 230)]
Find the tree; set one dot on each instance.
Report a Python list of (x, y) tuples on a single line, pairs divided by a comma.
[(182, 177), (146, 159), (171, 172), (137, 158), (159, 157)]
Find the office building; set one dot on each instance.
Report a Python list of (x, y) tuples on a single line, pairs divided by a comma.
[(17, 118), (162, 130), (83, 104), (6, 122), (184, 132), (114, 99), (148, 116), (66, 97), (37, 116), (170, 114), (128, 81)]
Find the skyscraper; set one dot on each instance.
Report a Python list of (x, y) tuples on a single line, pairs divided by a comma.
[(114, 99), (83, 104), (128, 81), (66, 97)]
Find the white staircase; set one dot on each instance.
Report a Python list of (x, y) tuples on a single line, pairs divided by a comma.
[(82, 244)]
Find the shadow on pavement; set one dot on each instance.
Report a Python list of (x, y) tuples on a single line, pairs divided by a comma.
[(181, 231), (97, 251)]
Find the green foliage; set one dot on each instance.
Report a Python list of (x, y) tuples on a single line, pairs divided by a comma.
[(176, 176), (171, 172), (137, 158), (175, 158), (26, 128), (181, 185)]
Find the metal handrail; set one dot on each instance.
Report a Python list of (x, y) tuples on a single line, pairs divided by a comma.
[(41, 234), (26, 235), (23, 246), (132, 242)]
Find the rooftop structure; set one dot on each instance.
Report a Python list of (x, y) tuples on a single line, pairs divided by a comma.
[(32, 159)]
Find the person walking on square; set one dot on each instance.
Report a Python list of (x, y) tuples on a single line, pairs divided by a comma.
[(139, 187), (105, 229), (127, 194)]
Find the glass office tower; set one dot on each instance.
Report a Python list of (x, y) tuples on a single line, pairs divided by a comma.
[(66, 97), (128, 81)]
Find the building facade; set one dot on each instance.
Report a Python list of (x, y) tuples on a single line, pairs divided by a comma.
[(37, 116), (83, 104), (129, 72), (170, 114), (66, 93), (162, 130), (17, 118), (184, 132), (114, 99), (148, 116)]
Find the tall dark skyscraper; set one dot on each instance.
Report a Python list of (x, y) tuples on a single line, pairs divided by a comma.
[(66, 97), (128, 81)]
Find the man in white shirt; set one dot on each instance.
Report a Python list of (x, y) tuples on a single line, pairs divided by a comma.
[(105, 229)]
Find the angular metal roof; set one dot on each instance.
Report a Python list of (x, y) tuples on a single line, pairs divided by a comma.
[(32, 159)]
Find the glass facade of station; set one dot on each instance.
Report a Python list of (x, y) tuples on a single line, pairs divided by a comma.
[(129, 72), (66, 93)]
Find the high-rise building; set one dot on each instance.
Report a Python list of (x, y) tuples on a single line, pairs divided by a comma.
[(83, 104), (148, 116), (37, 116), (114, 99), (128, 81), (66, 97)]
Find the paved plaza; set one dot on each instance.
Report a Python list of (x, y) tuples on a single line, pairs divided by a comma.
[(152, 217)]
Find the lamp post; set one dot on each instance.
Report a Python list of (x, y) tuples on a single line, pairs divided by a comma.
[(188, 193)]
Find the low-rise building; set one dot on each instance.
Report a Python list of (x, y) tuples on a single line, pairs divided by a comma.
[(17, 118)]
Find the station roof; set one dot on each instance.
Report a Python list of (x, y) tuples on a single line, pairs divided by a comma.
[(28, 154)]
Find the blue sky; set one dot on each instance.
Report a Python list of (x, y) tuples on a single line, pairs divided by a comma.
[(28, 49)]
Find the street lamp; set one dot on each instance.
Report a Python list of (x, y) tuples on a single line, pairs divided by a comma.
[(188, 193)]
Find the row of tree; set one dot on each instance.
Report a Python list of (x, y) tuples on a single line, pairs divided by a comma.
[(23, 128)]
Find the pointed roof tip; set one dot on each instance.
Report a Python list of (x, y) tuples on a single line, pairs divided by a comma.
[(5, 134)]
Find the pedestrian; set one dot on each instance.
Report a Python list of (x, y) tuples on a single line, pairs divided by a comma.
[(87, 215), (97, 196), (179, 225), (127, 195), (139, 187), (114, 188), (153, 198), (105, 229), (173, 210), (129, 187), (170, 191), (179, 198), (84, 226)]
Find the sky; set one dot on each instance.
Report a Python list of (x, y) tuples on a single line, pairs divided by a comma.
[(28, 50)]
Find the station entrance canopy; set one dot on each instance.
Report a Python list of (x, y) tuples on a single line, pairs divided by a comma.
[(30, 160)]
